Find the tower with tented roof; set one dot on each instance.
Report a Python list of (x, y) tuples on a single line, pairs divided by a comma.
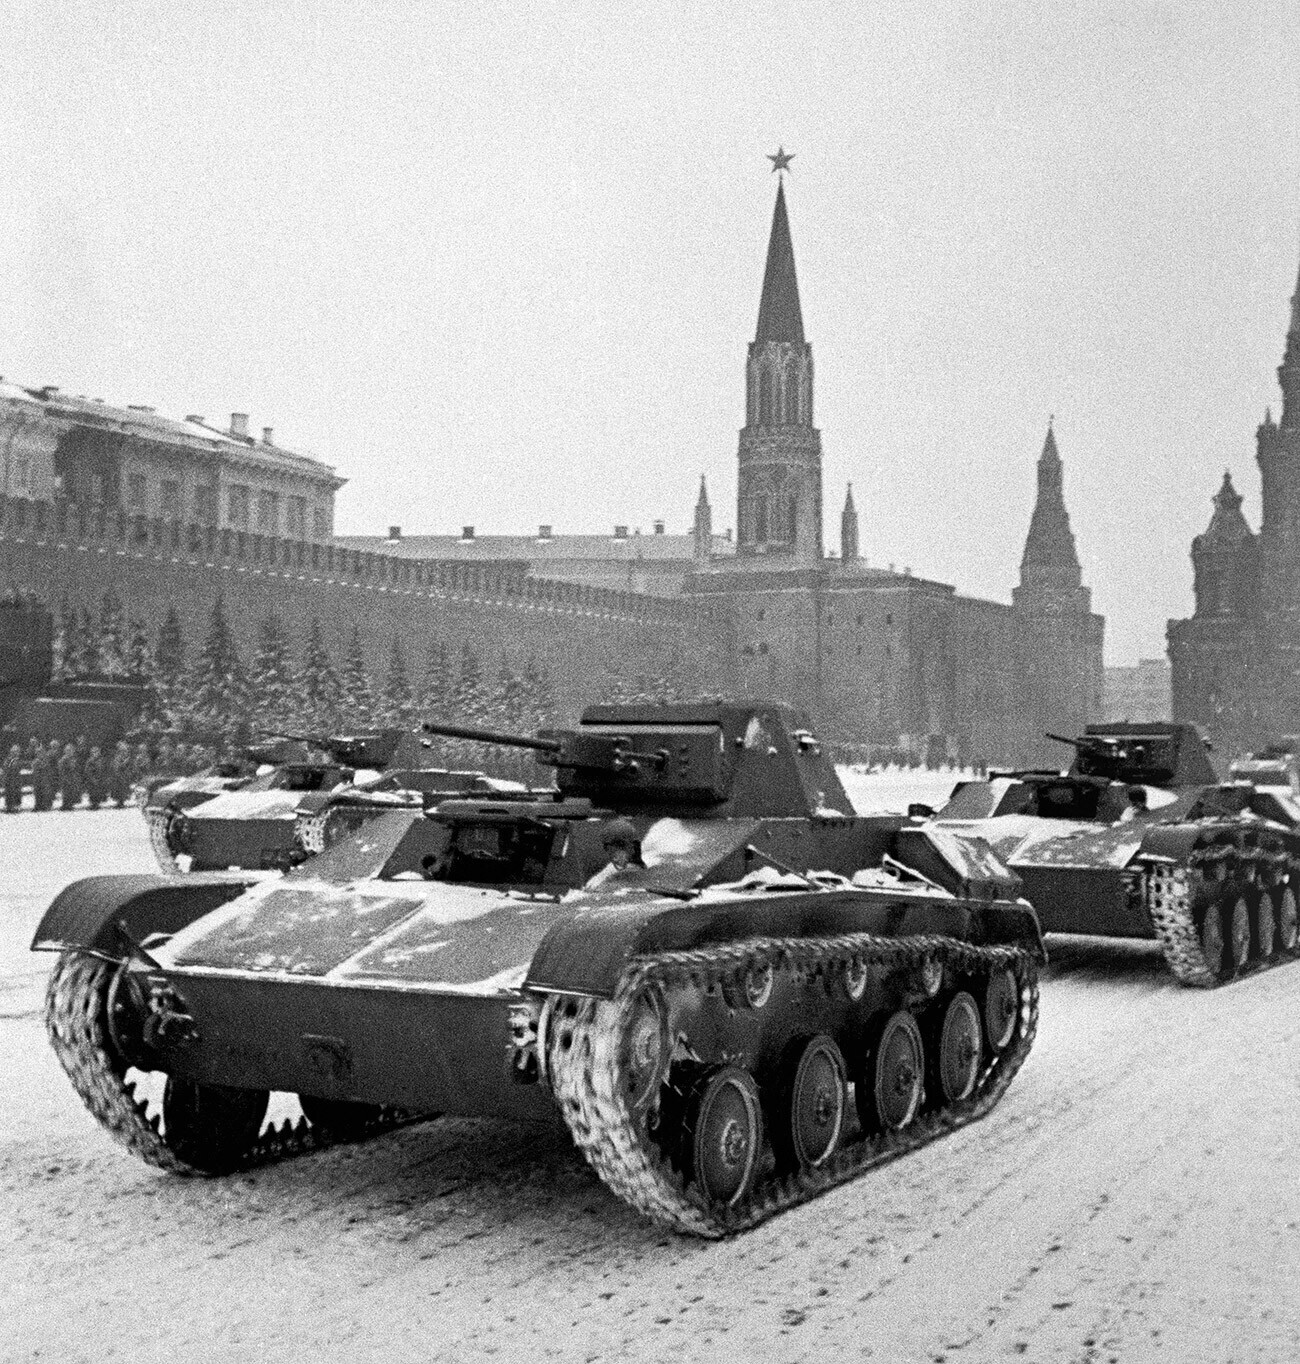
[(779, 497), (1060, 654)]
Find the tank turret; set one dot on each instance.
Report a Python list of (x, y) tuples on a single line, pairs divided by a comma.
[(730, 759)]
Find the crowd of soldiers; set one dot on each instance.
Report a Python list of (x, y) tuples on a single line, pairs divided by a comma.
[(67, 773)]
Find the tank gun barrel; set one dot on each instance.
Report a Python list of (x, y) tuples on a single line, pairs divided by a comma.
[(490, 736), (1094, 742)]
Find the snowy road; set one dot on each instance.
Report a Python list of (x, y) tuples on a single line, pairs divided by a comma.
[(1134, 1197)]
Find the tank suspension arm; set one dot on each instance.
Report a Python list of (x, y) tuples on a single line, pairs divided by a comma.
[(491, 736)]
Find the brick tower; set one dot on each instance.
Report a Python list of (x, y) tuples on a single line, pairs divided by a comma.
[(779, 512)]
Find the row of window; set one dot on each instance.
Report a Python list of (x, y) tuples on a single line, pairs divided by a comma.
[(830, 619), (245, 509)]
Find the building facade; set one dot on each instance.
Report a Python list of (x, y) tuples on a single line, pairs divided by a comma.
[(1236, 661)]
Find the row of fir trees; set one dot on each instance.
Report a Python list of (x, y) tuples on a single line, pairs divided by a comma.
[(213, 695)]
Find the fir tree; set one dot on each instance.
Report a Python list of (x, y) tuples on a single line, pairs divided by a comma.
[(65, 636), (539, 697), (397, 703), (437, 687), (218, 688), (270, 678), (170, 653), (469, 699), (318, 685), (84, 655), (509, 706), (358, 700), (112, 643), (140, 660)]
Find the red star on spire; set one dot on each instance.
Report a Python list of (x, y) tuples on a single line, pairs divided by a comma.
[(781, 159)]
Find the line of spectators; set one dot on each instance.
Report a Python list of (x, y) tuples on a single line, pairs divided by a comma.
[(62, 774)]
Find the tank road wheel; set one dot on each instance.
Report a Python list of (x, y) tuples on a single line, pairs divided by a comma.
[(1001, 1004), (726, 1127), (1288, 922), (750, 989), (211, 1127), (808, 1114), (855, 979), (1239, 933), (889, 1094), (1264, 926), (645, 1050), (957, 1062), (339, 1118), (1212, 940)]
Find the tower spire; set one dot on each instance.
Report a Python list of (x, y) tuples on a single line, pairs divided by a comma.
[(703, 531), (849, 528), (779, 315), (1050, 558)]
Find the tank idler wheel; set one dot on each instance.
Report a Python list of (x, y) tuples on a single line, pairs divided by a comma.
[(725, 1123), (808, 1116), (956, 1063), (646, 1049), (1238, 911), (1212, 940), (1288, 921), (1001, 1004), (211, 1126), (750, 989), (1264, 926), (889, 1093), (339, 1118)]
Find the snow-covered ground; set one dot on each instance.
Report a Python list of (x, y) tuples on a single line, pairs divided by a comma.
[(1133, 1198)]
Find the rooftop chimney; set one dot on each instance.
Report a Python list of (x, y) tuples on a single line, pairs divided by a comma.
[(139, 407), (659, 527), (267, 433), (239, 425), (620, 532), (194, 417), (467, 533), (394, 532), (544, 533)]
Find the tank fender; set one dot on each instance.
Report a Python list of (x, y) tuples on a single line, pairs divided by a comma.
[(1170, 842), (86, 913), (588, 953)]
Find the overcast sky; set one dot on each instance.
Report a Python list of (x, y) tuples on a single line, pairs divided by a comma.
[(499, 263)]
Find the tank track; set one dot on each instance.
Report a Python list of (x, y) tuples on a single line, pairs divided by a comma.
[(582, 1045), (77, 1025), (1170, 895), (159, 819)]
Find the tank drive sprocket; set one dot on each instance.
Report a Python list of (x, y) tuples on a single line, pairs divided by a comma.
[(687, 1147)]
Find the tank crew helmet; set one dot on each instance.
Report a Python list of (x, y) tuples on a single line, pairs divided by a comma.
[(622, 843)]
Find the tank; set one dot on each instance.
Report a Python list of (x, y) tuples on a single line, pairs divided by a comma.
[(1141, 839), (732, 991), (318, 788)]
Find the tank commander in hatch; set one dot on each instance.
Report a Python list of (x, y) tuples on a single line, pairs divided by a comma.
[(1137, 804)]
